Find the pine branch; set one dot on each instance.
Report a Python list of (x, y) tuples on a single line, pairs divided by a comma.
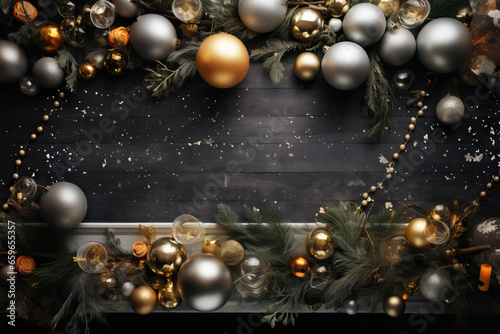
[(225, 18), (69, 64), (447, 8)]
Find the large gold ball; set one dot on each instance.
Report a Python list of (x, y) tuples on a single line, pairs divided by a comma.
[(48, 37), (394, 306), (143, 300), (87, 70), (337, 8), (231, 252), (415, 233), (306, 24), (169, 296), (166, 256), (222, 60), (319, 244), (306, 66)]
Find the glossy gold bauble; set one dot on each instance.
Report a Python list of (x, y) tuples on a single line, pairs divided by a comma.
[(87, 70), (143, 300), (300, 267), (222, 60), (231, 252), (166, 256), (337, 8), (168, 295), (48, 37), (319, 244), (306, 24), (210, 247), (114, 62), (394, 306), (306, 66), (387, 6), (415, 233)]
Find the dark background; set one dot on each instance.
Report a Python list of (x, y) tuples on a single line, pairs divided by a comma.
[(169, 157)]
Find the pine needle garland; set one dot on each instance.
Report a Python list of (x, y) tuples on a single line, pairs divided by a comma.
[(447, 8)]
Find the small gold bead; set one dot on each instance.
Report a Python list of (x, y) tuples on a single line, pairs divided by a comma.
[(5, 206), (57, 104), (420, 113), (489, 185), (62, 95), (45, 118), (39, 129), (395, 155), (496, 178), (33, 136), (19, 162), (402, 147), (407, 137), (364, 202), (22, 153), (420, 104), (411, 127), (11, 188), (413, 120), (391, 170), (373, 189), (483, 194), (15, 176), (423, 93), (388, 176), (365, 195)]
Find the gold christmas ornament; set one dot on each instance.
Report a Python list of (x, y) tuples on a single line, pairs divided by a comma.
[(319, 244), (143, 300), (165, 256), (231, 252), (87, 70), (300, 267), (394, 306), (168, 296), (337, 8), (210, 247), (114, 62), (306, 24), (222, 60), (307, 66), (48, 37), (387, 6), (415, 233)]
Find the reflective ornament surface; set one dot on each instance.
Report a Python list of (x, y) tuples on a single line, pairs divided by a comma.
[(262, 16), (13, 62), (337, 8), (168, 296), (188, 230), (306, 66), (187, 10), (364, 24), (87, 70), (351, 306), (437, 232), (165, 256), (306, 24), (24, 189), (92, 257), (436, 285), (320, 276), (415, 233), (143, 300), (335, 24), (114, 62), (102, 14), (450, 110), (126, 8), (488, 233), (319, 244), (300, 267), (402, 79), (74, 32), (413, 13), (28, 86), (253, 272), (66, 8), (48, 37), (394, 306), (231, 252)]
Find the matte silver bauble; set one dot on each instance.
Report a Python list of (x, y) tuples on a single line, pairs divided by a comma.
[(13, 62), (450, 110), (126, 8), (47, 72), (364, 24), (345, 65), (262, 15), (397, 47), (443, 45), (335, 24), (436, 285), (204, 282), (63, 206), (153, 37)]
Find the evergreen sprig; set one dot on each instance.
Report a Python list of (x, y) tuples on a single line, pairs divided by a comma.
[(447, 8)]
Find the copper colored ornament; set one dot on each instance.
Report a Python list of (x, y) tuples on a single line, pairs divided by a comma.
[(320, 244), (307, 66), (337, 8), (119, 38), (415, 233), (87, 70), (114, 62), (222, 60), (394, 306), (24, 11), (231, 252), (143, 300), (168, 295), (165, 256), (300, 267), (48, 37), (306, 24)]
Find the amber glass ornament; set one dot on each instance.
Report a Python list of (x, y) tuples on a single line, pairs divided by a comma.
[(143, 300), (114, 62), (48, 37), (300, 267), (87, 70), (74, 32), (119, 38), (24, 11)]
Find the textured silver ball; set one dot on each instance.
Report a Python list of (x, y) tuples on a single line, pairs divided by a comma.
[(13, 62), (364, 24), (204, 282), (436, 285), (443, 45), (153, 37), (397, 47), (63, 206), (47, 72), (450, 110), (345, 65), (126, 8), (262, 15)]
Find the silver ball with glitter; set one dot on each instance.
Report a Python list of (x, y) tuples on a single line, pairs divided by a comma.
[(47, 72), (450, 110)]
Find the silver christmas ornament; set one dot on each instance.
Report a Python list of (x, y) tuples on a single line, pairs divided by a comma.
[(450, 110), (364, 24), (13, 62), (262, 15), (397, 47), (204, 282), (153, 37), (126, 8), (443, 45), (335, 24), (351, 306), (436, 285), (345, 65), (403, 79), (63, 206), (28, 86), (47, 72), (253, 272)]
